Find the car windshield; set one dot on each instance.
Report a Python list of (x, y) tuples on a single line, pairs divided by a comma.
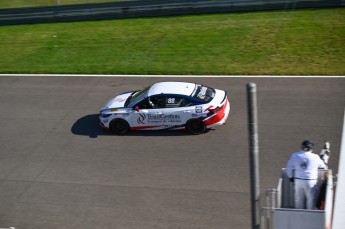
[(206, 94), (138, 96)]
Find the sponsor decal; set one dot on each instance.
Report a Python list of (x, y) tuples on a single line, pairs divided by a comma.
[(163, 116), (200, 115), (210, 107), (121, 114), (169, 126), (157, 118), (141, 118), (304, 164), (119, 100), (171, 100), (198, 109)]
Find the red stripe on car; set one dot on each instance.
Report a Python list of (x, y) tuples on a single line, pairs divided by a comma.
[(217, 117)]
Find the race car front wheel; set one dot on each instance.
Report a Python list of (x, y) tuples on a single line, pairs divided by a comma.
[(196, 126), (119, 126)]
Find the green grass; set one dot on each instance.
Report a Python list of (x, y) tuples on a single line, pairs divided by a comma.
[(29, 3), (302, 42)]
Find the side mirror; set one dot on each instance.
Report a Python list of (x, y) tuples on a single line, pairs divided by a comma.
[(136, 108)]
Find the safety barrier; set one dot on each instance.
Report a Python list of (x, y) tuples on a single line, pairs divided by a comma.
[(279, 211), (149, 8)]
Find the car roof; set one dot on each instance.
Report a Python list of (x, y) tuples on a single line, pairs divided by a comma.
[(181, 88)]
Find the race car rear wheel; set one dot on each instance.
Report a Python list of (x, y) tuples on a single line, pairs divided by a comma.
[(195, 126), (119, 126)]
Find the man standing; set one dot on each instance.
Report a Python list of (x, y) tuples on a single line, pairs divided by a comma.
[(302, 169)]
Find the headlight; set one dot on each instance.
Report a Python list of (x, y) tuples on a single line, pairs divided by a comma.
[(105, 115)]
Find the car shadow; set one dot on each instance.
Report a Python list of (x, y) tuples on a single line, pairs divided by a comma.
[(89, 126)]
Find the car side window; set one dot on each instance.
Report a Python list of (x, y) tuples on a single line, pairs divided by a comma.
[(186, 102), (145, 104), (157, 101)]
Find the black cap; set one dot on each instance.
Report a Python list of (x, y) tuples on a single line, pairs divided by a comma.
[(307, 144)]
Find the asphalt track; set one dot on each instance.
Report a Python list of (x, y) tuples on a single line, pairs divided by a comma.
[(58, 169)]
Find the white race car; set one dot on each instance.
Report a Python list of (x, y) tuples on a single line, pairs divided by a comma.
[(166, 105)]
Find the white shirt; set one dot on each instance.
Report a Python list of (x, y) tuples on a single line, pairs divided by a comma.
[(305, 164)]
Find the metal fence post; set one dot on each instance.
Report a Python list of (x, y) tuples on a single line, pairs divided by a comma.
[(253, 155)]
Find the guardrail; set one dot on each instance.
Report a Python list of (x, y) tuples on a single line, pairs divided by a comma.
[(149, 8)]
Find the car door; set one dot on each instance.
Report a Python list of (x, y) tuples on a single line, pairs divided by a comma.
[(177, 110), (147, 115)]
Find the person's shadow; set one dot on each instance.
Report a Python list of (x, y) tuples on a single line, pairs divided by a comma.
[(89, 126)]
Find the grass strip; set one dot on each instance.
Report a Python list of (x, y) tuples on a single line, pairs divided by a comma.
[(300, 42)]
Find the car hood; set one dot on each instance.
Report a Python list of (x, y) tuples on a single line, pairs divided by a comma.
[(117, 102)]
